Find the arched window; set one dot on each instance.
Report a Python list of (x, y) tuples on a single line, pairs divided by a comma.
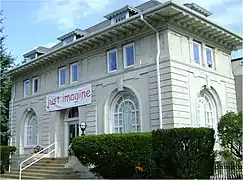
[(31, 129), (125, 113), (206, 110)]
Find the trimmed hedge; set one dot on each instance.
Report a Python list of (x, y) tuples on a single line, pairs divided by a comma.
[(4, 157), (184, 153), (116, 155), (168, 153)]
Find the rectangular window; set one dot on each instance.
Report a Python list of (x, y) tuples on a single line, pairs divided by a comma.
[(112, 60), (26, 88), (121, 18), (35, 85), (74, 72), (209, 55), (128, 55), (196, 52), (68, 40), (62, 76)]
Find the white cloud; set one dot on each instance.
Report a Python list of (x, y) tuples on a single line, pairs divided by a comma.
[(66, 13), (229, 15)]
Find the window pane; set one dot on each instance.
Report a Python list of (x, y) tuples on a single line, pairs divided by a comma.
[(112, 61), (27, 88), (62, 76), (32, 130), (74, 73), (116, 120), (36, 85), (129, 56), (209, 57), (196, 53)]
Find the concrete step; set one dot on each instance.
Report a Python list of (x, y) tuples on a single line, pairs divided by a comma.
[(41, 173), (16, 176), (54, 160), (74, 176), (40, 164), (10, 176), (45, 169)]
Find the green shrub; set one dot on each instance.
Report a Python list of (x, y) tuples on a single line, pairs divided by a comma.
[(172, 153), (183, 152), (116, 155), (4, 156)]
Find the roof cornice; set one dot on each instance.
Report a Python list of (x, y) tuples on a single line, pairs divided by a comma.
[(161, 12), (192, 12)]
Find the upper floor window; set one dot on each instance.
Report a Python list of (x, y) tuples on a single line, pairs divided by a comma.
[(74, 72), (209, 56), (121, 18), (35, 84), (68, 40), (112, 60), (62, 76), (197, 52), (26, 88), (128, 55)]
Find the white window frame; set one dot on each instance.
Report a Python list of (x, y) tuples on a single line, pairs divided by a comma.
[(212, 56), (33, 85), (207, 101), (25, 95), (26, 145), (108, 61), (200, 52), (71, 72), (124, 55), (116, 105), (59, 76)]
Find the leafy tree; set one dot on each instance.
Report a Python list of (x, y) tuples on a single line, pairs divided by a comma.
[(6, 62), (230, 135)]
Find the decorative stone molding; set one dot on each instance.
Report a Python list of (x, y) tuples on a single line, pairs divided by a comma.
[(119, 83)]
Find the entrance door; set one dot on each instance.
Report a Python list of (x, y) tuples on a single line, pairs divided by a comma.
[(73, 130)]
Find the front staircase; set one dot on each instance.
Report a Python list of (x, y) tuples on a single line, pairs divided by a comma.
[(46, 168)]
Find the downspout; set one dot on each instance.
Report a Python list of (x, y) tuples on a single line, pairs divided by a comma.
[(157, 68), (11, 119)]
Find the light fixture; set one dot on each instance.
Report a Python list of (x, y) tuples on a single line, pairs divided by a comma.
[(83, 126)]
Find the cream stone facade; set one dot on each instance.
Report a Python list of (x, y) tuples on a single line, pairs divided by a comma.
[(166, 40), (237, 68)]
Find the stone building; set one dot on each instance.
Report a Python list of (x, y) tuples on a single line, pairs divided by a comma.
[(157, 65)]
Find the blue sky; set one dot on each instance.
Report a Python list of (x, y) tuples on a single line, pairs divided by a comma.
[(31, 23)]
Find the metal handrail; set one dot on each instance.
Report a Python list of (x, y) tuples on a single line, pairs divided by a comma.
[(21, 164)]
